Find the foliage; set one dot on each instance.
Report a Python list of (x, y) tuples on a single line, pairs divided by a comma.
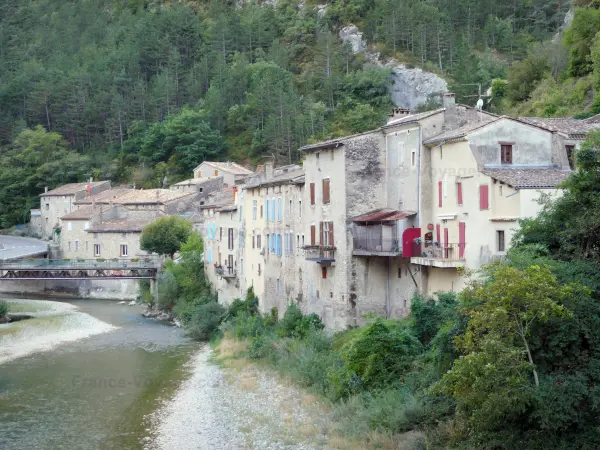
[(165, 235), (429, 315), (247, 307), (3, 308), (168, 290), (295, 324), (205, 321)]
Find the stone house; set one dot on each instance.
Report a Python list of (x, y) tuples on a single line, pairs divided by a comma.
[(483, 177), (232, 173), (273, 234), (61, 201), (201, 186)]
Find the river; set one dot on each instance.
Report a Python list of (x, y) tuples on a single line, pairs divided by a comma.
[(85, 374)]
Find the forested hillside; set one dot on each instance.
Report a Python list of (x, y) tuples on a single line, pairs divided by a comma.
[(136, 90)]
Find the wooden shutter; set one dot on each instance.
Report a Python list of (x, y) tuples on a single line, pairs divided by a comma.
[(438, 235), (461, 239), (331, 234), (313, 232), (326, 190), (459, 193), (440, 194), (483, 197), (321, 240), (312, 193)]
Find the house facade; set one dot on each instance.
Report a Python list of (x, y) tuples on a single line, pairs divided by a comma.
[(232, 173)]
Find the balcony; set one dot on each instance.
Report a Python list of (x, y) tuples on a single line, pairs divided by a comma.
[(444, 256), (376, 246), (225, 272), (319, 254)]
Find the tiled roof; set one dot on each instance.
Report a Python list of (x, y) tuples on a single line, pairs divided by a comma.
[(151, 196), (84, 213), (334, 142), (383, 215), (229, 167), (72, 188), (105, 197), (119, 226), (283, 178), (528, 178), (460, 132), (565, 125), (413, 117), (196, 181)]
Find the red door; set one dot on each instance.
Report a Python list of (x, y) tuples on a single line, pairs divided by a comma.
[(445, 242), (461, 239)]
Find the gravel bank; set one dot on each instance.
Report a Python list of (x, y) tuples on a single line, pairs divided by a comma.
[(242, 408)]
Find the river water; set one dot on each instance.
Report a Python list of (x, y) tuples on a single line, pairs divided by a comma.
[(84, 374)]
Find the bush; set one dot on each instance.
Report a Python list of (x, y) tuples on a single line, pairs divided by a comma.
[(248, 306), (295, 324), (205, 321), (167, 291), (428, 315), (3, 308)]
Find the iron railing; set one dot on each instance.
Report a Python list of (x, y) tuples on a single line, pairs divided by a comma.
[(377, 244), (225, 272), (74, 264), (319, 253), (445, 251)]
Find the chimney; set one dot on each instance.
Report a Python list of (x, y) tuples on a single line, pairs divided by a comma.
[(269, 170), (260, 168), (46, 190), (449, 100), (398, 113), (91, 180)]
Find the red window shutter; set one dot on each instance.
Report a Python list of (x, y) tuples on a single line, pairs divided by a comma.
[(438, 235), (312, 193), (483, 197), (440, 194), (313, 232), (326, 190), (461, 239), (331, 234), (321, 240), (323, 271), (459, 193)]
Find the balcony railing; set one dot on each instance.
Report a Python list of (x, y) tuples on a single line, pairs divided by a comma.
[(225, 272), (376, 245), (441, 255), (319, 254)]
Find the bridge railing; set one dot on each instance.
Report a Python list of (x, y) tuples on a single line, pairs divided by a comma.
[(74, 264)]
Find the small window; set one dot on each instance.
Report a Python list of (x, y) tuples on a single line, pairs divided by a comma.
[(69, 245), (259, 269), (571, 155), (399, 272), (69, 226), (96, 249), (326, 191), (259, 241), (254, 209), (300, 208), (76, 246), (47, 206), (261, 211), (500, 239), (506, 153), (201, 190), (216, 173), (123, 250), (413, 158)]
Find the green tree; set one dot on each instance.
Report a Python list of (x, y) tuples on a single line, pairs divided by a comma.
[(165, 235)]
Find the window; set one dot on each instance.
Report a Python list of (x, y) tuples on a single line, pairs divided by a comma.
[(253, 240), (312, 193), (86, 226), (500, 190), (399, 272), (254, 209), (445, 188), (413, 158), (261, 211), (123, 249), (323, 272), (259, 241), (220, 233), (313, 235), (506, 153), (230, 239), (483, 197), (69, 245), (96, 249), (326, 192), (201, 189), (459, 197), (327, 234), (439, 194), (76, 246), (300, 208), (47, 206), (69, 226), (290, 210), (259, 269), (571, 155), (500, 240)]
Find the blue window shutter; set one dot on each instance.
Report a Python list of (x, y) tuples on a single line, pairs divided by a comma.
[(268, 210), (208, 231), (272, 209), (279, 209)]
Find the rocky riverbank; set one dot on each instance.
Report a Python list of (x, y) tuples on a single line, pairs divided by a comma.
[(239, 406)]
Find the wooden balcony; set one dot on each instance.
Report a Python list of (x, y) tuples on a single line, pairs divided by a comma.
[(376, 246), (225, 272), (446, 255), (319, 254)]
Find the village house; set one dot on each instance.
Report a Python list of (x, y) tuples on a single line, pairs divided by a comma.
[(484, 177), (201, 186), (61, 201), (233, 174), (273, 234)]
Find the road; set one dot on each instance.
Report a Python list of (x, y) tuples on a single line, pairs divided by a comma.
[(13, 247)]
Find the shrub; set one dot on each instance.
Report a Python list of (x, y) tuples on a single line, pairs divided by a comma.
[(3, 308), (167, 291), (205, 321), (380, 353), (296, 324), (248, 306), (428, 315)]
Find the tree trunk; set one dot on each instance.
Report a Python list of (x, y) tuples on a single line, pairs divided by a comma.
[(535, 374)]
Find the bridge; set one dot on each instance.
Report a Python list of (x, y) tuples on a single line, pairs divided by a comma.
[(79, 269)]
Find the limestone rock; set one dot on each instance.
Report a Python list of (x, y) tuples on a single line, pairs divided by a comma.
[(411, 86), (322, 11), (354, 37)]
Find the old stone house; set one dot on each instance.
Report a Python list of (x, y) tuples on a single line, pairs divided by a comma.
[(60, 201), (233, 174)]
